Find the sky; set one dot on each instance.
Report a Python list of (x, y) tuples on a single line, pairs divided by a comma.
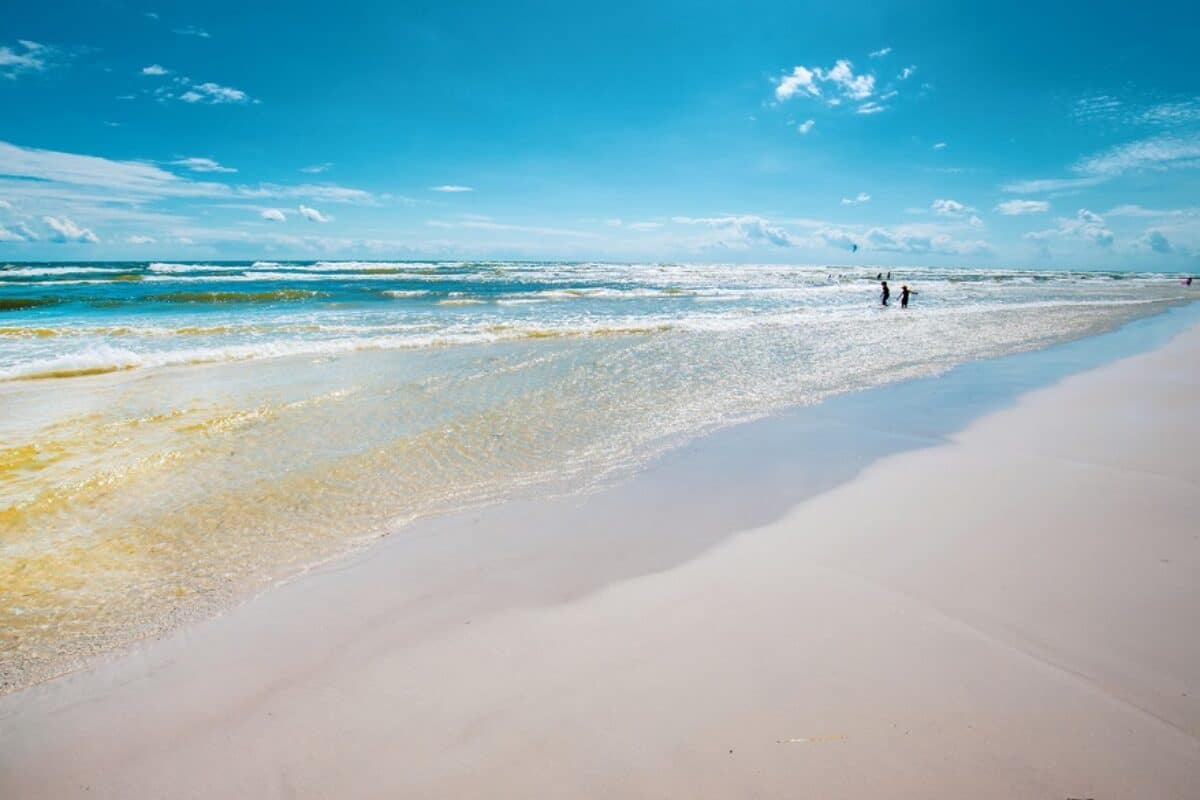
[(1055, 135)]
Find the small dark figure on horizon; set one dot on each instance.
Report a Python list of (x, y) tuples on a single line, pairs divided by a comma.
[(889, 276), (1188, 282), (904, 293), (879, 277), (884, 292)]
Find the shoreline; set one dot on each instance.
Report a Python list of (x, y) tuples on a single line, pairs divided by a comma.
[(402, 608)]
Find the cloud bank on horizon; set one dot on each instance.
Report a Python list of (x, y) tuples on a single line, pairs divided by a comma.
[(811, 135)]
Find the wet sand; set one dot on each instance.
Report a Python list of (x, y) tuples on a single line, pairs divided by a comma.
[(1007, 611)]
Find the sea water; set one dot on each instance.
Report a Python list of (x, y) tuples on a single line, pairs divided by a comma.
[(175, 435)]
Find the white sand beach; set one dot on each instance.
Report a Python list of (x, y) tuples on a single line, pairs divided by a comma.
[(1008, 614)]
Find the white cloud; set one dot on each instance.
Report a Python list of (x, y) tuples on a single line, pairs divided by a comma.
[(862, 197), (742, 230), (1039, 185), (950, 208), (1085, 225), (274, 214), (450, 187), (67, 231), (644, 226), (920, 239), (804, 81), (1157, 242), (806, 126), (214, 94), (881, 52), (100, 191), (155, 69), (907, 73), (1015, 207), (10, 236), (192, 30), (312, 215), (1155, 153), (870, 108), (614, 222), (487, 225), (196, 164), (27, 56), (939, 146), (1176, 113), (139, 239), (5, 204), (854, 87), (1133, 210), (317, 168), (800, 80)]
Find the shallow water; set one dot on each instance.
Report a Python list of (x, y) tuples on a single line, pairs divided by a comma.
[(175, 435)]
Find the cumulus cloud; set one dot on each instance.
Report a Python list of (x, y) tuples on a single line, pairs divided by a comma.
[(880, 53), (920, 241), (800, 81), (842, 78), (214, 94), (317, 168), (742, 230), (64, 230), (806, 126), (861, 197), (312, 215), (950, 208), (1158, 242), (274, 214), (196, 164), (155, 69), (138, 239), (451, 188), (1015, 207), (1086, 225)]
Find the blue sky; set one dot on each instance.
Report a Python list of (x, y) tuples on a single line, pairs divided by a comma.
[(1009, 134)]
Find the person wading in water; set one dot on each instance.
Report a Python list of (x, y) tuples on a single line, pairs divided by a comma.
[(904, 293), (884, 293)]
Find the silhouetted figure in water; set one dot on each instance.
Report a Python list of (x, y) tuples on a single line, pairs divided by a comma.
[(1188, 282), (884, 292), (904, 293), (889, 276), (879, 276)]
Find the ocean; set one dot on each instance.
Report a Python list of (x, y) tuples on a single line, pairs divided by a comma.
[(175, 436)]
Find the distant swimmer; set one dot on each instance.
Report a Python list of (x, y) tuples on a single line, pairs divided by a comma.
[(889, 276), (879, 277), (884, 293), (1188, 282), (904, 293)]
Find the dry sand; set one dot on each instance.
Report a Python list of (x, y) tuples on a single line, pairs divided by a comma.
[(1010, 614)]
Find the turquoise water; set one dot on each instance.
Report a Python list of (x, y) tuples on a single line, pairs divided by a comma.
[(175, 435), (69, 318)]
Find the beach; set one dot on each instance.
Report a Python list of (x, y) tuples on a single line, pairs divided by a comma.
[(981, 584)]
